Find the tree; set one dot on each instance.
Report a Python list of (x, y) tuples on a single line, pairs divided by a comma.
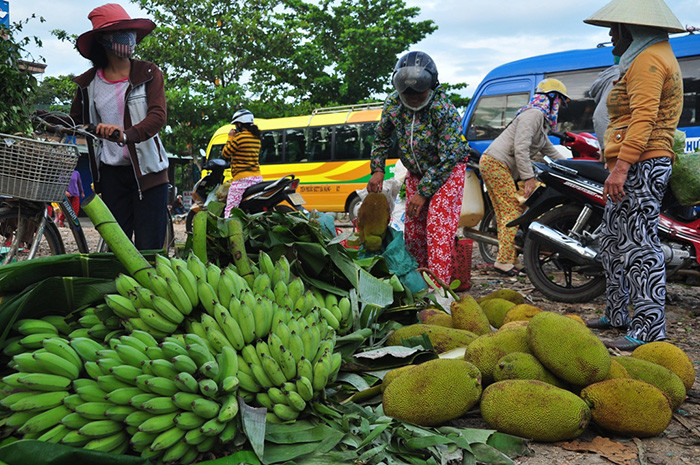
[(18, 83), (55, 92), (276, 57)]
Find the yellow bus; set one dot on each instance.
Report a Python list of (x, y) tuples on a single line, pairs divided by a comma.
[(328, 151)]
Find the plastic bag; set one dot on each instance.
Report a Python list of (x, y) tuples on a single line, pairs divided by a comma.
[(399, 260), (685, 177)]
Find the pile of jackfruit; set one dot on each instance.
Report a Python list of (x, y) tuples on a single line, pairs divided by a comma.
[(533, 373)]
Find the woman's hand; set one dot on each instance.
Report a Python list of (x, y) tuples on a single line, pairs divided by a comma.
[(529, 187), (614, 185), (415, 205), (106, 130), (376, 182)]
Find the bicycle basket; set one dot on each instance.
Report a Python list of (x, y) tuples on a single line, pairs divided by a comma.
[(35, 170)]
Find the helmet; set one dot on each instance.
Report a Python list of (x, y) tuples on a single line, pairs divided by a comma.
[(415, 71), (552, 85), (651, 13), (243, 117)]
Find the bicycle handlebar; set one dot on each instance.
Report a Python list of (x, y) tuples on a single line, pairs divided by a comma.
[(87, 130)]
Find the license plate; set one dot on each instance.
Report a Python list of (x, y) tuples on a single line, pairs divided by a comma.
[(296, 199)]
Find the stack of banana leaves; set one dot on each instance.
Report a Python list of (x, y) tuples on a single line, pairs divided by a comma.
[(212, 357)]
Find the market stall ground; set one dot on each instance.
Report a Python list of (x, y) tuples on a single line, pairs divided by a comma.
[(679, 444)]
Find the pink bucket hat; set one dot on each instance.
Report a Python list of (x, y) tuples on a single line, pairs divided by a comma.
[(111, 17)]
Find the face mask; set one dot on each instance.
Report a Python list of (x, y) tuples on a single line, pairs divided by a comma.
[(421, 105), (122, 44)]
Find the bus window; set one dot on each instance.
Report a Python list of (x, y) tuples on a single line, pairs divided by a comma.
[(295, 145), (690, 116), (319, 142), (215, 151), (493, 113), (271, 146), (349, 142), (578, 115)]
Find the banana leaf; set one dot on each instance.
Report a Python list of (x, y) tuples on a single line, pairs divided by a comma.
[(52, 296)]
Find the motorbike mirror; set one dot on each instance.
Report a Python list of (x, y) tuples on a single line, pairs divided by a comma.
[(202, 153)]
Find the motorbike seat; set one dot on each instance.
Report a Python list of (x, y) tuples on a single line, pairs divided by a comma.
[(590, 169)]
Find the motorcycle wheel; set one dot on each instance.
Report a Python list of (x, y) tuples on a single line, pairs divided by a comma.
[(555, 276), (354, 207), (488, 226)]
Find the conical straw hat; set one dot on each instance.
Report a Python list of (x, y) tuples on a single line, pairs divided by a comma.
[(653, 13)]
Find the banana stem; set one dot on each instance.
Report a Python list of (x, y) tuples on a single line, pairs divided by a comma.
[(237, 244), (118, 242), (439, 282)]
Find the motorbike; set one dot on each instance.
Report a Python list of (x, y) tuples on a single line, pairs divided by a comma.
[(562, 225), (279, 195)]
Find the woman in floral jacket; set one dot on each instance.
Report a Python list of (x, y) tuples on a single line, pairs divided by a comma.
[(427, 127)]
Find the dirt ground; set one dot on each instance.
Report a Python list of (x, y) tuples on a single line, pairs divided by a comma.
[(679, 444)]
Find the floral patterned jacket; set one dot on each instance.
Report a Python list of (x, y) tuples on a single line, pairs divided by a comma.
[(430, 144)]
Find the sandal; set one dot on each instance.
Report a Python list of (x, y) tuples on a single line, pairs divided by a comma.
[(513, 272)]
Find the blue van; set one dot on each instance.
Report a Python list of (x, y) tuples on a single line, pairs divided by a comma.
[(507, 88)]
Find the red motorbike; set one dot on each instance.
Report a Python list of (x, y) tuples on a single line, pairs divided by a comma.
[(563, 219)]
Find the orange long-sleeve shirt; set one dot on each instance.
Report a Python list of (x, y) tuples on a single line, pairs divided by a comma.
[(644, 107), (243, 149)]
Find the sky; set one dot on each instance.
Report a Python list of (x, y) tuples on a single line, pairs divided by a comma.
[(473, 36)]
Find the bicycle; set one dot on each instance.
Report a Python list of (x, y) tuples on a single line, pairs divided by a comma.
[(33, 174)]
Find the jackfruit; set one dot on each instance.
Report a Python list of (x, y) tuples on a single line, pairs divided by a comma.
[(669, 356), (443, 339), (433, 392), (373, 220), (568, 349), (393, 374), (434, 316), (508, 294), (535, 410), (628, 407), (575, 317), (467, 314), (487, 349), (658, 375), (519, 365), (617, 370), (521, 312), (514, 323), (495, 310)]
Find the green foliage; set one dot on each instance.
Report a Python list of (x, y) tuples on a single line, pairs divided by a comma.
[(17, 82), (55, 93)]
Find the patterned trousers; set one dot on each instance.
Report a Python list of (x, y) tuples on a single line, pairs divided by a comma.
[(430, 236), (501, 187), (235, 192), (631, 252)]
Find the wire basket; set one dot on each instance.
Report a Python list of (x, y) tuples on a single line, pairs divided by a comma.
[(35, 170)]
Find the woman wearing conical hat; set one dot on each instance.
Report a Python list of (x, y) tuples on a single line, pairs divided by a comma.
[(644, 108)]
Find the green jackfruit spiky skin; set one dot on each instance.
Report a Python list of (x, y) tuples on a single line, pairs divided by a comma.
[(521, 312), (373, 220), (508, 294), (669, 356), (617, 370), (660, 376), (519, 365), (433, 392), (487, 349), (568, 349), (442, 338), (434, 316), (535, 410), (393, 374), (628, 407), (495, 310), (467, 314)]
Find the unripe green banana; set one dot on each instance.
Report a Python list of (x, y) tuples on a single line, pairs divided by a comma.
[(43, 401), (164, 368), (140, 381), (166, 309), (93, 410), (296, 401), (263, 319), (184, 400), (137, 418), (87, 348), (207, 295), (74, 421), (62, 348), (163, 266), (43, 382), (101, 428), (91, 393), (246, 321), (159, 405), (162, 386), (57, 365), (208, 387), (212, 427), (123, 396), (330, 318), (184, 363), (114, 443), (277, 396), (260, 375), (126, 373), (156, 321), (54, 435), (273, 370), (188, 420), (125, 284), (185, 382), (188, 281), (176, 452), (166, 437), (305, 369), (210, 370), (74, 439), (285, 412), (295, 289), (30, 326), (226, 289), (10, 399), (217, 339), (119, 412), (230, 384), (71, 402), (200, 354), (305, 388), (144, 295), (171, 349), (110, 382), (298, 346), (194, 437), (248, 382), (140, 439), (287, 363), (26, 363), (205, 408), (158, 423), (121, 305), (233, 332), (250, 355), (138, 400), (130, 355)]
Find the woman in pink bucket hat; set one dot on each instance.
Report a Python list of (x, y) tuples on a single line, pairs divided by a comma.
[(125, 99)]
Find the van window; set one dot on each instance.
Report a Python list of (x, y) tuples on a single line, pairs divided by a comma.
[(295, 145), (319, 143), (354, 141), (578, 115), (271, 146), (493, 113), (690, 69)]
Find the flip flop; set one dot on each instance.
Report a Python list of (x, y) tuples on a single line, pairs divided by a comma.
[(513, 272)]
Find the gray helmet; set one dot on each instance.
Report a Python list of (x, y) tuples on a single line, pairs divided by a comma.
[(415, 71), (243, 117)]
